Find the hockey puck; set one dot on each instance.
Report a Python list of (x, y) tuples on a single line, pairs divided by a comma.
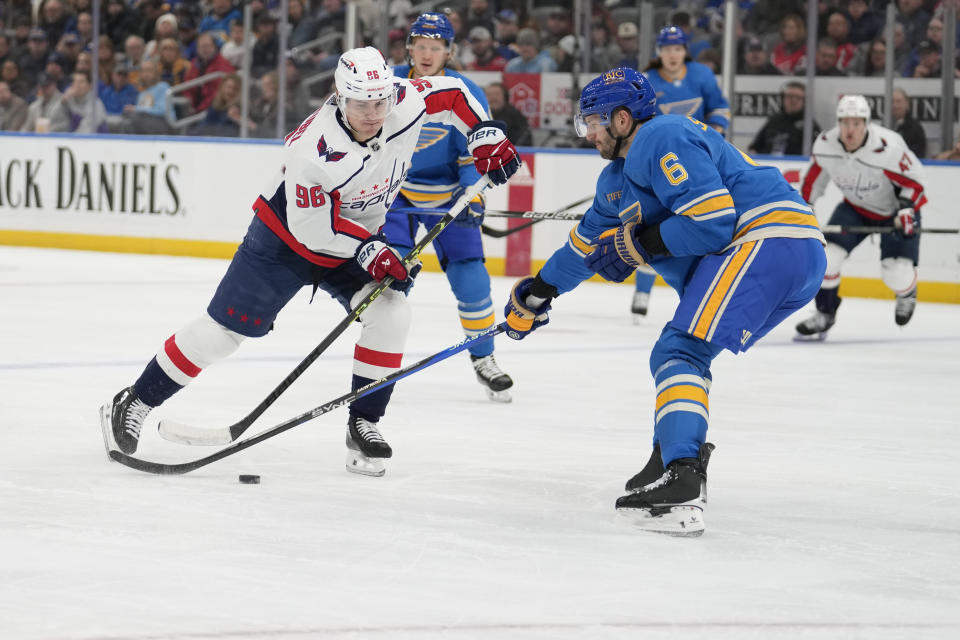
[(244, 479)]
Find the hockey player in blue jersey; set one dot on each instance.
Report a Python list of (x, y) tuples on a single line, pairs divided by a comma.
[(734, 239), (686, 88), (442, 168)]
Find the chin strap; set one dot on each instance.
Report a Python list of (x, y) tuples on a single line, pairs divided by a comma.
[(620, 139)]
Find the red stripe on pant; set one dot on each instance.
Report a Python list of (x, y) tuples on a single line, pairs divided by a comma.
[(178, 359), (377, 358)]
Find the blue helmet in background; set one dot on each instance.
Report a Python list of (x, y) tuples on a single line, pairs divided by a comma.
[(432, 25), (620, 87), (671, 35)]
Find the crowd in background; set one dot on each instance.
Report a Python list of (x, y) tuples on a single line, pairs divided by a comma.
[(147, 46)]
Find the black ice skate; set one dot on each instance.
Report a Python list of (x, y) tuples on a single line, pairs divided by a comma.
[(366, 448), (124, 419), (674, 503), (494, 381), (638, 306), (905, 306), (650, 473), (815, 327)]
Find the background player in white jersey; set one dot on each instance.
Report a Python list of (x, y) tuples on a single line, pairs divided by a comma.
[(881, 181), (441, 170), (318, 223)]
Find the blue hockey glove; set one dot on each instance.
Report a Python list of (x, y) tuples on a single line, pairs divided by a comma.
[(493, 155), (617, 253), (521, 317), (472, 216)]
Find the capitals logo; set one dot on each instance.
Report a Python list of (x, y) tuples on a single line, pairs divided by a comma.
[(613, 76), (327, 153)]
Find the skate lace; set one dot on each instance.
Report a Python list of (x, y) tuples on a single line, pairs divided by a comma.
[(136, 414), (487, 367), (368, 431)]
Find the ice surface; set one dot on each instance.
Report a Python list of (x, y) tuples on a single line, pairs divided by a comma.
[(833, 492)]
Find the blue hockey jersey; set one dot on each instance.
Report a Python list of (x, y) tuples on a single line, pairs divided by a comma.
[(696, 94), (441, 163)]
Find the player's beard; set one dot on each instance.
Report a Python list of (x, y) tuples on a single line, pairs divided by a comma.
[(605, 146)]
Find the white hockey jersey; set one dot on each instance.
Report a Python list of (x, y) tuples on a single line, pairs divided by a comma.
[(333, 192), (872, 178)]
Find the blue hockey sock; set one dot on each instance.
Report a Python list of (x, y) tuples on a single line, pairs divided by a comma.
[(471, 285), (154, 386), (644, 281), (372, 406)]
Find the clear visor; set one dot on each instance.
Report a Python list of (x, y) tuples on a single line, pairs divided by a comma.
[(367, 109), (590, 123)]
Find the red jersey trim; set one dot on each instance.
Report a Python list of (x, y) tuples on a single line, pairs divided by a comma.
[(269, 217)]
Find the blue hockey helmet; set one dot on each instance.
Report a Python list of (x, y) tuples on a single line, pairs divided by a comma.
[(432, 25), (671, 35), (618, 88)]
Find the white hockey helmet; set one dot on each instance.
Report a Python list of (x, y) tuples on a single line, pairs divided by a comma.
[(363, 75), (853, 106)]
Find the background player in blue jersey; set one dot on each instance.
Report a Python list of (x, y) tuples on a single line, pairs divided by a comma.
[(733, 238), (686, 88), (442, 167)]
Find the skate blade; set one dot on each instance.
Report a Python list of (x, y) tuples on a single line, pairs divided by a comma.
[(813, 337), (680, 521), (106, 428), (637, 318), (499, 396), (361, 464)]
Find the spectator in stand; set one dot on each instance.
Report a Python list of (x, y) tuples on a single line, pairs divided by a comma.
[(838, 30), (33, 62), (217, 22), (531, 58), (331, 17), (233, 48), (566, 53), (85, 65), (906, 125), (559, 25), (10, 73), (208, 60), (865, 23), (46, 113), (148, 115), (13, 109), (149, 11), (928, 65), (914, 18), (485, 57), (58, 69), (505, 30), (69, 48), (871, 60), (791, 52), (83, 108), (298, 98), (934, 37), (106, 59), (188, 37), (756, 60), (825, 60), (782, 133), (4, 47), (84, 29), (695, 44), (172, 67), (120, 22), (263, 110), (604, 54), (479, 14), (165, 27), (266, 53), (52, 18), (627, 34), (18, 11), (397, 49), (134, 49), (118, 94), (222, 117), (303, 26), (711, 59)]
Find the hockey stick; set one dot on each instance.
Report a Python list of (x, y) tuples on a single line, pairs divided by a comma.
[(503, 233), (838, 228), (557, 214), (185, 467), (187, 434)]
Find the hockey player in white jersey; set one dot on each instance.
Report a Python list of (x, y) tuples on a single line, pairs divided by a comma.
[(882, 185), (318, 223)]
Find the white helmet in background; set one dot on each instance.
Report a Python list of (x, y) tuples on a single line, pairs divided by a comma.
[(853, 106), (363, 75)]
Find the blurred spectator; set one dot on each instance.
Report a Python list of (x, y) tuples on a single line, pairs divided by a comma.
[(22, 26), (782, 133), (13, 109), (505, 30), (559, 24), (298, 98), (485, 58), (531, 58), (119, 93), (33, 62), (906, 125), (222, 117), (173, 67), (756, 60), (148, 114), (263, 110), (928, 64), (331, 17), (208, 60), (838, 30), (150, 12), (18, 11), (120, 22), (82, 106), (233, 48), (46, 113), (69, 48), (914, 18), (865, 23), (397, 11), (165, 27), (627, 34), (10, 73), (950, 154), (266, 52), (518, 129), (217, 22), (188, 37), (604, 54), (934, 37), (84, 29), (303, 27), (567, 54), (825, 60), (397, 50), (791, 52), (695, 44), (58, 69), (4, 48), (52, 18), (133, 54), (711, 59), (85, 65), (479, 14), (106, 59)]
